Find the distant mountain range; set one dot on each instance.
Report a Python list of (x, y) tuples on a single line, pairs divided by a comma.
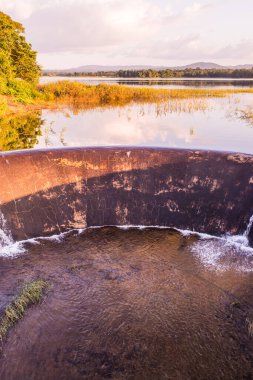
[(98, 68), (211, 65)]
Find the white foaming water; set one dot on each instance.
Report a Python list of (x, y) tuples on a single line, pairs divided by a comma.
[(249, 226), (14, 249), (223, 254), (5, 235), (8, 248), (226, 253), (217, 253)]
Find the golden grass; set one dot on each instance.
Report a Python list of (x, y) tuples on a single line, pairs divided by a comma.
[(79, 96), (105, 94), (31, 294)]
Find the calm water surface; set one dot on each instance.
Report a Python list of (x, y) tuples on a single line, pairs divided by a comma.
[(218, 124), (165, 83)]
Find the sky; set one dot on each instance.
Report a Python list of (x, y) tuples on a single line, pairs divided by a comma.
[(72, 33)]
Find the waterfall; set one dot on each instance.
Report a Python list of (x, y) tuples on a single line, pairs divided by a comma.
[(8, 247), (249, 226), (5, 234)]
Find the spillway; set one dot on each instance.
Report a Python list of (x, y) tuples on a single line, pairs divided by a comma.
[(52, 191)]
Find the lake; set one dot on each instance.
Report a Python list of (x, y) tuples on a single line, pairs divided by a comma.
[(217, 127), (220, 124), (210, 123), (158, 82)]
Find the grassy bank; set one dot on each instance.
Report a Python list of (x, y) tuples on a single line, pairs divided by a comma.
[(22, 96), (67, 91), (31, 294)]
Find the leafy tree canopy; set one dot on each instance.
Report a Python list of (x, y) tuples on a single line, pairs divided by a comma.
[(17, 59)]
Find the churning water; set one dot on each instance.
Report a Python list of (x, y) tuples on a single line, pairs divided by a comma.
[(8, 248), (127, 304), (218, 253), (130, 302), (5, 235)]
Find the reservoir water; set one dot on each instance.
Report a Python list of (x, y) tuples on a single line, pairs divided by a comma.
[(158, 82), (219, 124)]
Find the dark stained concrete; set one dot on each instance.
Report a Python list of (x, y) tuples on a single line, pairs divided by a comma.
[(51, 191)]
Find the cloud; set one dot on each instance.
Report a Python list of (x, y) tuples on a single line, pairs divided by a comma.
[(197, 7), (242, 50), (74, 25), (180, 47), (133, 31), (21, 9), (82, 26)]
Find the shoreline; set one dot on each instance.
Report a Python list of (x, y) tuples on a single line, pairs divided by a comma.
[(73, 94), (151, 79)]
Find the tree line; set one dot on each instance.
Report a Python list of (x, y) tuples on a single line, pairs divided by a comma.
[(166, 73)]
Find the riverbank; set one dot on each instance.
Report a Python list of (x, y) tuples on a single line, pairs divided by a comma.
[(83, 96)]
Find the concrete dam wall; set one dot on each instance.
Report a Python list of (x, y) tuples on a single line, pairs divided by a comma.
[(52, 191)]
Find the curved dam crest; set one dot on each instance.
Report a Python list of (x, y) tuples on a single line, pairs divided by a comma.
[(53, 191)]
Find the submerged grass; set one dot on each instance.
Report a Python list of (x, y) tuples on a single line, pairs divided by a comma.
[(31, 294)]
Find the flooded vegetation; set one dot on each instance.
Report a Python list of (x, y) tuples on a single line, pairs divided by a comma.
[(67, 91), (111, 114), (208, 123), (246, 115), (51, 95), (128, 304)]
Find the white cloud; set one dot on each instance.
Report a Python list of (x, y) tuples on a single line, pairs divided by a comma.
[(70, 25), (80, 26), (186, 46), (242, 50), (21, 9), (195, 7), (134, 31)]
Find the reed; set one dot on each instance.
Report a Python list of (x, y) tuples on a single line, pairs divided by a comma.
[(105, 94), (79, 96)]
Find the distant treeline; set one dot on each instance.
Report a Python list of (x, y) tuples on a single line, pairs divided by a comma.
[(167, 73)]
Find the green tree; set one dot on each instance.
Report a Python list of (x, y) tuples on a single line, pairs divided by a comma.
[(17, 59)]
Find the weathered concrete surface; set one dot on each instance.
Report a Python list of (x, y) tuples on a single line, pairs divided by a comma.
[(45, 192)]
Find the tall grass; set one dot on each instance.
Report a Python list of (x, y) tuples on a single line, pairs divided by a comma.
[(105, 94), (81, 96)]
